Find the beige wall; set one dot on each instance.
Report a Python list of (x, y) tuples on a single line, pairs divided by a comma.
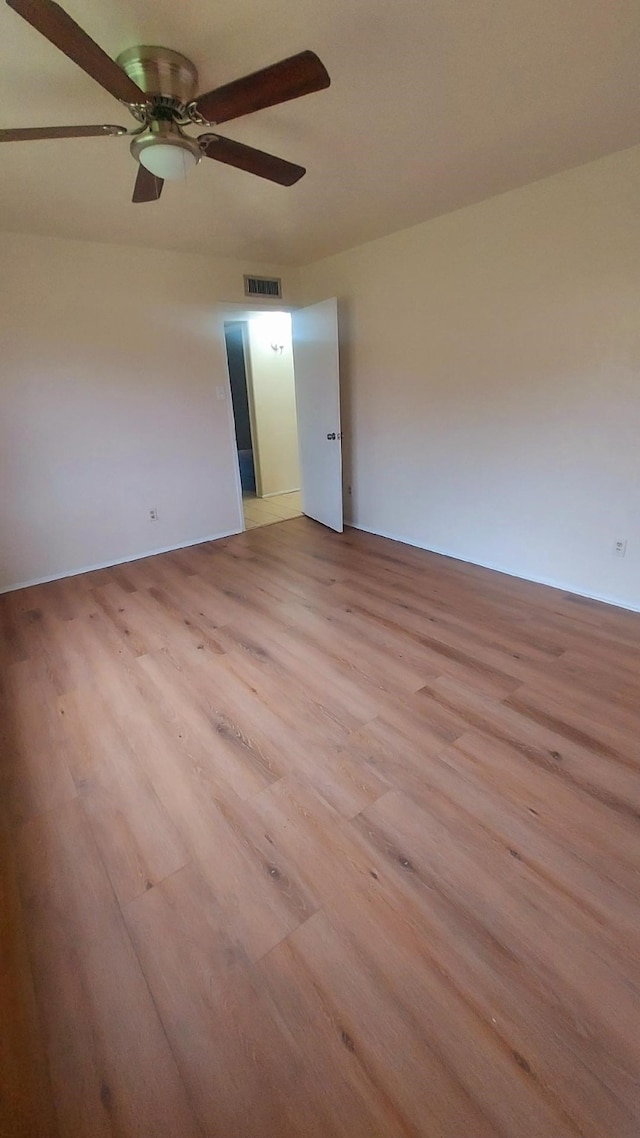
[(111, 363), (491, 371), (273, 404)]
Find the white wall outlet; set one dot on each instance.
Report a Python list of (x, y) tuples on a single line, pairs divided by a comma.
[(153, 515), (220, 392), (620, 547)]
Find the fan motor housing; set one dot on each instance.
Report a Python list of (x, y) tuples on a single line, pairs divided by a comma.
[(167, 133), (160, 72)]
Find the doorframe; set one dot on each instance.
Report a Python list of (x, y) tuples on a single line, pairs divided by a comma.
[(237, 312), (248, 377), (255, 441)]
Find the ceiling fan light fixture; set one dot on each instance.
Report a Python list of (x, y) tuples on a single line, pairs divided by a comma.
[(165, 151), (158, 86), (168, 162)]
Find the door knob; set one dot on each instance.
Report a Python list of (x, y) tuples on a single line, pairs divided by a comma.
[(332, 435)]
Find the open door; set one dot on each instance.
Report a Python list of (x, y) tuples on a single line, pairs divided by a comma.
[(315, 354)]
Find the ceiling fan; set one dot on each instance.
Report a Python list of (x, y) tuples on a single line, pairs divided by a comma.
[(158, 86)]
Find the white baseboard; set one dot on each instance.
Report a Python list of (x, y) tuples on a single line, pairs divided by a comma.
[(351, 524), (626, 605), (118, 561), (278, 493)]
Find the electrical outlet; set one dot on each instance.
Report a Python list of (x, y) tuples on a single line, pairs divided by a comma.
[(153, 515), (620, 547)]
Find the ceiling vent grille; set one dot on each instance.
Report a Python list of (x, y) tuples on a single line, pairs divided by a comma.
[(263, 286)]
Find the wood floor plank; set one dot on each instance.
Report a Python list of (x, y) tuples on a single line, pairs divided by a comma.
[(217, 722), (259, 907), (138, 842), (599, 836), (353, 700), (315, 834), (386, 1078), (545, 741), (26, 1103), (583, 720), (436, 1086), (257, 739), (112, 1070), (340, 635), (377, 904), (13, 648), (34, 772), (91, 648), (244, 1074), (514, 1014), (571, 949), (39, 627)]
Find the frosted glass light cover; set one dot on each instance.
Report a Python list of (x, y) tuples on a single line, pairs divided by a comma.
[(168, 161)]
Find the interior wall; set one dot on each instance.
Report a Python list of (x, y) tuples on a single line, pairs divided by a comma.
[(114, 400), (273, 398), (491, 372)]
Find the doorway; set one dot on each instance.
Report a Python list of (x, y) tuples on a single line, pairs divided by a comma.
[(261, 375)]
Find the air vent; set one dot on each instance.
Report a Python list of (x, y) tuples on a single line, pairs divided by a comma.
[(262, 286)]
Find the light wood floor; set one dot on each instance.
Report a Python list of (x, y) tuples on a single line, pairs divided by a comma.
[(314, 835)]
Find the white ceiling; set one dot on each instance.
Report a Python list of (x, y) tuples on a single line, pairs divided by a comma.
[(434, 104)]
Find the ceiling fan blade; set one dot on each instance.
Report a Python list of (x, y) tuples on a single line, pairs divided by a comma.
[(253, 161), (31, 132), (289, 79), (148, 187), (55, 25)]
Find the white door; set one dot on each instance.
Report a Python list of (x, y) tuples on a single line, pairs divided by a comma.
[(315, 356)]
